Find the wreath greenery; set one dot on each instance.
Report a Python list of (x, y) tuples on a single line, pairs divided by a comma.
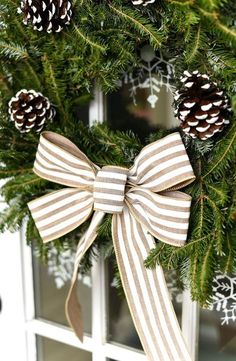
[(99, 45)]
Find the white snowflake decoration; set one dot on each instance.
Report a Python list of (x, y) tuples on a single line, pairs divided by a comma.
[(61, 268), (154, 73), (224, 298)]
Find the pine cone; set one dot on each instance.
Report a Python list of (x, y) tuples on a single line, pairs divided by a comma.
[(201, 106), (29, 110), (46, 15), (142, 2)]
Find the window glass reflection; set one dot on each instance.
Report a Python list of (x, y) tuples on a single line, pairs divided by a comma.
[(50, 350), (51, 286), (141, 118), (216, 342)]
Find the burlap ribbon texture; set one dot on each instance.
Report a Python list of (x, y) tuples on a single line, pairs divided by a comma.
[(145, 204)]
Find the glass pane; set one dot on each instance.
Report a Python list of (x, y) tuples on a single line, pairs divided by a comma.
[(81, 111), (140, 116), (176, 293), (216, 342), (51, 286), (50, 350), (120, 325)]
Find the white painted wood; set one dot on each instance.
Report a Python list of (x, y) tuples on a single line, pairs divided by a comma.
[(123, 353), (63, 334), (28, 294), (190, 324), (96, 114), (27, 270), (31, 346), (12, 317), (99, 310), (58, 333), (97, 111)]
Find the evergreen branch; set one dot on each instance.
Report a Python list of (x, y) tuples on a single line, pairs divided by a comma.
[(33, 73), (6, 187), (222, 194), (181, 2), (214, 18), (87, 40), (14, 171), (206, 274), (226, 30), (153, 258), (225, 153), (218, 225), (53, 84), (193, 50), (13, 51), (194, 266), (143, 28), (201, 215), (229, 261)]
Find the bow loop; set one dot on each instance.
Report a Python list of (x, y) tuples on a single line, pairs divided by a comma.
[(162, 165), (164, 215), (60, 161), (60, 212)]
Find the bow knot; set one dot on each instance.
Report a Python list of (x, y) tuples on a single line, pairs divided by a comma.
[(145, 204), (109, 189)]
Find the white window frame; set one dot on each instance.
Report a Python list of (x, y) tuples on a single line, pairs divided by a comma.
[(17, 292)]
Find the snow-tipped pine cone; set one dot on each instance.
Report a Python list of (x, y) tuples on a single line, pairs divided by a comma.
[(46, 15), (142, 2), (30, 110), (201, 106)]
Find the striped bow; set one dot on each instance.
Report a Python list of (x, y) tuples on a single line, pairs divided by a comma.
[(145, 204)]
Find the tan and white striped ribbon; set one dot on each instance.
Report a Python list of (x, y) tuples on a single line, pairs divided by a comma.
[(145, 203)]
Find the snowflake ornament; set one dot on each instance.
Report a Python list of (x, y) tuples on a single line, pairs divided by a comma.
[(153, 73), (61, 267), (224, 298)]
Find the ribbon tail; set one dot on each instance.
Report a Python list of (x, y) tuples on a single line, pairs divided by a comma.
[(146, 292), (72, 306)]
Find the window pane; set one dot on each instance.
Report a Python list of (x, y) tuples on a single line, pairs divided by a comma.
[(140, 118), (216, 342), (51, 286), (120, 325), (50, 350), (81, 112)]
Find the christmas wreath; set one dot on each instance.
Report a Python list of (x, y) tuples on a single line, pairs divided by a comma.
[(60, 49)]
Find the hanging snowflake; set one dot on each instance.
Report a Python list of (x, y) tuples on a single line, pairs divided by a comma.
[(61, 266), (224, 298), (153, 73)]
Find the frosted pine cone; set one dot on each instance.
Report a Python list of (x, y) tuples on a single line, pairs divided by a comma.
[(46, 15), (30, 110), (143, 2), (201, 106)]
